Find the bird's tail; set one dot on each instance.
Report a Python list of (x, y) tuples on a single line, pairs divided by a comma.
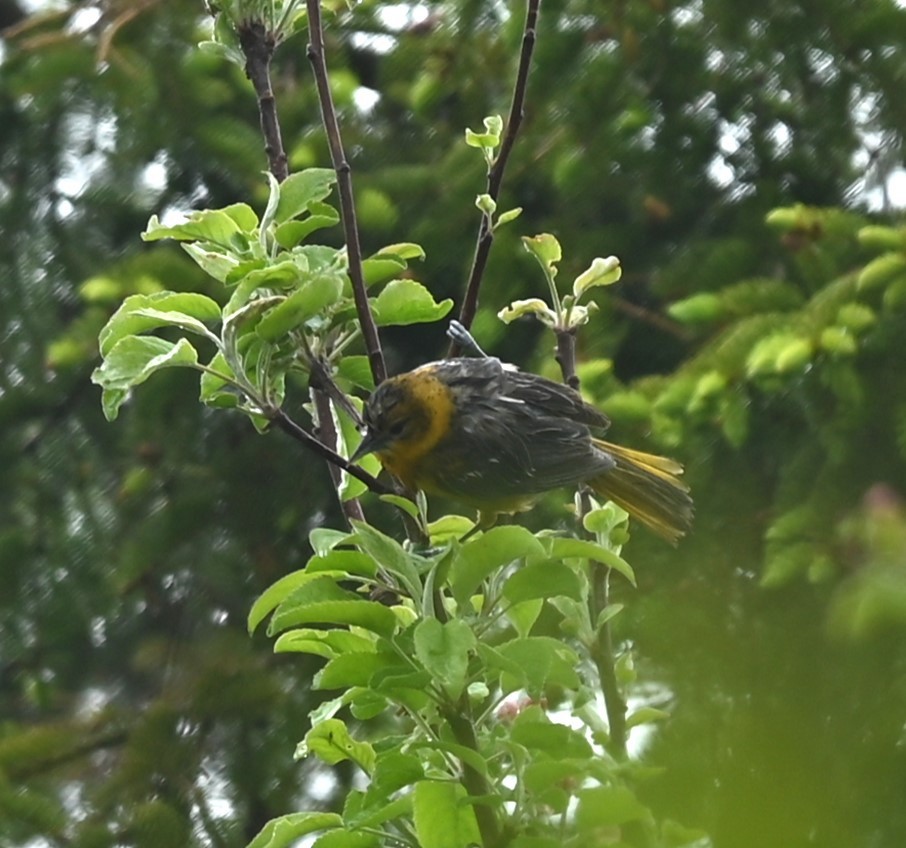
[(648, 488)]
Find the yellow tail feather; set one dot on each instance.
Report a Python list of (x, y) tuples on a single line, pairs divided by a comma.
[(648, 488)]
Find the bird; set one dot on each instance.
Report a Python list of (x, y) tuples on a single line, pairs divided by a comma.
[(494, 438)]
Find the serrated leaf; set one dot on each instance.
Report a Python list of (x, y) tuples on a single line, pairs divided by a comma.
[(127, 320), (331, 742), (443, 649), (287, 830), (300, 190), (542, 661), (479, 557), (542, 580), (390, 555), (290, 233), (133, 360), (321, 601), (558, 740), (206, 225), (275, 594), (315, 296), (565, 548), (215, 263), (404, 302), (382, 269), (441, 820)]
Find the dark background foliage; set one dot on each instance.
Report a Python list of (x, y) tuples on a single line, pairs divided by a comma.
[(135, 710)]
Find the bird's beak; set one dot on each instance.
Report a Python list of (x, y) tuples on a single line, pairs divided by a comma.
[(369, 444)]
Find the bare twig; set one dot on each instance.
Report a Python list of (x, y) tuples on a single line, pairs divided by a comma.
[(344, 183), (495, 174), (284, 422), (258, 45)]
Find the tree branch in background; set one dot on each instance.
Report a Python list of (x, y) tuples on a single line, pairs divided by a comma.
[(258, 45), (495, 174), (344, 183)]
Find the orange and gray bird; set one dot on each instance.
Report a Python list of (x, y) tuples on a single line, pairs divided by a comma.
[(492, 437)]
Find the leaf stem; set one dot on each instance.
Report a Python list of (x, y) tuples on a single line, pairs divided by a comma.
[(495, 173), (344, 184)]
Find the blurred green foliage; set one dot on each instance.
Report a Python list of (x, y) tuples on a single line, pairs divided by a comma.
[(766, 352)]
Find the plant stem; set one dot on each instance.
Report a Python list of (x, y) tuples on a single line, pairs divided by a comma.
[(459, 719), (344, 184), (258, 46), (602, 653), (603, 656), (495, 173)]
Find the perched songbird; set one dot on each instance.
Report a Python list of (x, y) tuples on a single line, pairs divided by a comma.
[(494, 438)]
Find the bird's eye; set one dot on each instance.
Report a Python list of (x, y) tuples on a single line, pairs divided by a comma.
[(397, 428)]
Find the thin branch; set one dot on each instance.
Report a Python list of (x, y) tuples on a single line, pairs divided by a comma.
[(602, 653), (344, 183), (495, 174), (258, 45), (284, 422)]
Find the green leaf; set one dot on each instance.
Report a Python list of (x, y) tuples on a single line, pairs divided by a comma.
[(390, 555), (347, 839), (481, 556), (441, 820), (506, 217), (403, 250), (545, 248), (291, 233), (605, 806), (353, 669), (331, 742), (645, 715), (322, 601), (132, 361), (299, 191), (468, 756), (274, 595), (325, 539), (210, 225), (372, 816), (216, 263), (541, 661), (315, 296), (565, 548), (601, 272), (542, 580), (402, 503), (393, 771), (524, 615), (323, 643), (357, 371), (350, 562), (535, 731), (532, 306), (287, 830), (405, 302), (443, 649), (382, 269), (162, 308), (243, 215)]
